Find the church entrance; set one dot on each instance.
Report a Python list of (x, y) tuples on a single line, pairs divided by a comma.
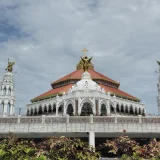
[(86, 109)]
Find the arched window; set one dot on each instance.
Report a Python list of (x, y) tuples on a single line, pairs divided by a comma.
[(143, 113), (8, 108), (136, 113), (54, 109), (117, 108), (60, 110), (103, 110), (27, 112), (4, 91), (45, 110), (40, 110), (131, 110), (70, 109), (86, 109), (139, 111), (126, 110), (9, 91), (35, 111), (111, 109), (32, 111), (122, 109), (49, 109)]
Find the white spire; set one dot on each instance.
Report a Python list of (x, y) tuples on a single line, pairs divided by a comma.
[(7, 98)]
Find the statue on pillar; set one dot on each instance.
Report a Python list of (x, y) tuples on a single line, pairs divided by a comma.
[(10, 66)]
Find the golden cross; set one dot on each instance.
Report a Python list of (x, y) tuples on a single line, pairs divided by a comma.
[(84, 51)]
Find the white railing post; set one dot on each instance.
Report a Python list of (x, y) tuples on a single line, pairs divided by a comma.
[(115, 118), (19, 118), (140, 118), (67, 118), (91, 118), (43, 118), (92, 139)]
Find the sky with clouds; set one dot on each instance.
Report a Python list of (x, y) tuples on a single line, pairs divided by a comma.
[(45, 38)]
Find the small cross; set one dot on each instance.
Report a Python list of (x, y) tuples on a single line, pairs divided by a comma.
[(84, 51)]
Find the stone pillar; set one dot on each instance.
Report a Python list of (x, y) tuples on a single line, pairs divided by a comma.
[(140, 118), (19, 118), (108, 109), (5, 108), (94, 107), (11, 109), (92, 139), (64, 108), (56, 109), (79, 107)]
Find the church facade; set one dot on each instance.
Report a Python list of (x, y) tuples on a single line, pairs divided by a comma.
[(85, 92)]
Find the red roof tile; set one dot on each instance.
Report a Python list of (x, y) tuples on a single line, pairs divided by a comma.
[(118, 92), (78, 74), (52, 92), (62, 89)]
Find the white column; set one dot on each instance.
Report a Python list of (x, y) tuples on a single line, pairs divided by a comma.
[(5, 109), (64, 108), (108, 109), (11, 109), (94, 107), (79, 107), (92, 139), (7, 91), (56, 109)]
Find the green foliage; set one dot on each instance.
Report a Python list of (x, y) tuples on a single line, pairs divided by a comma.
[(57, 148), (64, 148), (131, 150)]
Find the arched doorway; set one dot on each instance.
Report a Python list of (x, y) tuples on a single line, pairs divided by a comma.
[(40, 110), (111, 109), (86, 109), (70, 109), (103, 110), (117, 108), (49, 109), (131, 110), (32, 112), (54, 109), (60, 110), (35, 111)]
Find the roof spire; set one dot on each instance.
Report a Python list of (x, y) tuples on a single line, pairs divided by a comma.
[(84, 51)]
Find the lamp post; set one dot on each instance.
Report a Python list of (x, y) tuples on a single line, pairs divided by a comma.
[(19, 111)]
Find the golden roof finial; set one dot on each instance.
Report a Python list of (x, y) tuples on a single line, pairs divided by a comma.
[(10, 66), (84, 51)]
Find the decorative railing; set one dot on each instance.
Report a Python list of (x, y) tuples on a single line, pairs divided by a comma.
[(9, 120), (80, 119)]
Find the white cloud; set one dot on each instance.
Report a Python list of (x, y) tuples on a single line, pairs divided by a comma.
[(122, 35)]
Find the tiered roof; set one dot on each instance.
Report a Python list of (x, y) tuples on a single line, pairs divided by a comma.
[(65, 83)]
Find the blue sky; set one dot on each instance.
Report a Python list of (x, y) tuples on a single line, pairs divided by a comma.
[(45, 38)]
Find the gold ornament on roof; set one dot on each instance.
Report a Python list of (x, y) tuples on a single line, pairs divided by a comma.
[(83, 62), (10, 66), (86, 63)]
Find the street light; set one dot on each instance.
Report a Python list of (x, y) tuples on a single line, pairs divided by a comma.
[(19, 111)]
